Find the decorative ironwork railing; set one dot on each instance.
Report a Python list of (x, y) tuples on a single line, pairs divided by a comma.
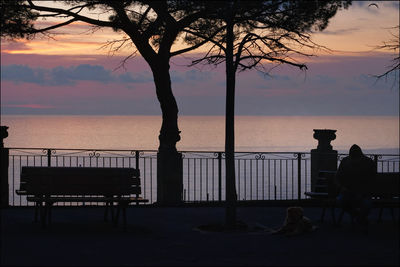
[(259, 175)]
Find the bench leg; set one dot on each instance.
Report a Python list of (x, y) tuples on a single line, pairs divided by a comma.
[(323, 214), (333, 215), (37, 210), (340, 217), (43, 213), (116, 218), (49, 210), (112, 211), (380, 215), (124, 216), (106, 212), (109, 206), (392, 212), (121, 207)]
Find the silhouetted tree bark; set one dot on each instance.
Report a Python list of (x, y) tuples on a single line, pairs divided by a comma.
[(248, 34), (231, 196)]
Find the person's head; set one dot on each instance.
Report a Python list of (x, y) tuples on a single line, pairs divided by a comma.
[(355, 151)]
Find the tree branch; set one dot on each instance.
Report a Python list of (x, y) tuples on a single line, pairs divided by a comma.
[(71, 14), (240, 49), (132, 30), (54, 26), (283, 61), (206, 40), (143, 17)]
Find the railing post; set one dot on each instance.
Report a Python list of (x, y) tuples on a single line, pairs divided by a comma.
[(219, 176), (4, 186), (298, 176), (376, 162), (323, 157), (48, 157), (169, 177), (137, 159)]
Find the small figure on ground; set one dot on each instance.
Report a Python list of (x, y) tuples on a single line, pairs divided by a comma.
[(354, 177), (295, 222)]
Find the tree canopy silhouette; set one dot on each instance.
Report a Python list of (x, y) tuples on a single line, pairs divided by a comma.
[(152, 26), (16, 20), (251, 34)]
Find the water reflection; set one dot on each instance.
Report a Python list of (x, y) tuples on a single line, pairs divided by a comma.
[(253, 133)]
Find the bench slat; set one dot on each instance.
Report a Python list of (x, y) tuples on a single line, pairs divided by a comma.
[(86, 199), (81, 190), (88, 171)]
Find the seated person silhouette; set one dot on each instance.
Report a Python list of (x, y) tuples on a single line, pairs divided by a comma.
[(354, 178)]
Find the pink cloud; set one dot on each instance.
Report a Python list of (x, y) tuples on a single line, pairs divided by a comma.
[(33, 106), (8, 46)]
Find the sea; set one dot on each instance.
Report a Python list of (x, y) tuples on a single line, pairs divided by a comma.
[(374, 134)]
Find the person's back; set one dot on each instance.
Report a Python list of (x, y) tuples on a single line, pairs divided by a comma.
[(354, 176)]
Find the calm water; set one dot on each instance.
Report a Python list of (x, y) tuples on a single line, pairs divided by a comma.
[(204, 133)]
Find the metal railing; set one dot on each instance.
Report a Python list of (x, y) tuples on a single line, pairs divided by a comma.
[(259, 175)]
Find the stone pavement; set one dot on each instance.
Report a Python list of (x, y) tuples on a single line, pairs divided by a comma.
[(169, 236)]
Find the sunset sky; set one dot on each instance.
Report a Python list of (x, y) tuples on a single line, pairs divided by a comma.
[(72, 74)]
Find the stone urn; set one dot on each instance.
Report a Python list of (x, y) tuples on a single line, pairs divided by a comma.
[(324, 137)]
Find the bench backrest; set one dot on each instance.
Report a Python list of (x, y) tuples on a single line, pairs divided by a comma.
[(80, 181), (329, 181), (386, 184)]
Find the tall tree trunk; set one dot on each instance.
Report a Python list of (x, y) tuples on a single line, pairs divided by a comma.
[(169, 133), (169, 161), (231, 197)]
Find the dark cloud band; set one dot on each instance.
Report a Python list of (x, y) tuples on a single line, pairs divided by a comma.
[(71, 75)]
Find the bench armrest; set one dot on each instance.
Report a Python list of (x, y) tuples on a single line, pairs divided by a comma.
[(21, 192)]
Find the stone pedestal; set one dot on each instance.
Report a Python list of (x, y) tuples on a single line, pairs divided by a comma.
[(323, 157), (169, 178), (3, 169)]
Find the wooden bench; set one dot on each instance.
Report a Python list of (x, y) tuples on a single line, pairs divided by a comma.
[(385, 193), (48, 185)]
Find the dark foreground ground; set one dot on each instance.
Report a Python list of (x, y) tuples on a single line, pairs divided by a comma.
[(168, 236)]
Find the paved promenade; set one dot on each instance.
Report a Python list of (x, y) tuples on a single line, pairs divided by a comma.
[(169, 236)]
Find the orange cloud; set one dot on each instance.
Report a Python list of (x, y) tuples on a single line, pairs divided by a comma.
[(33, 106)]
